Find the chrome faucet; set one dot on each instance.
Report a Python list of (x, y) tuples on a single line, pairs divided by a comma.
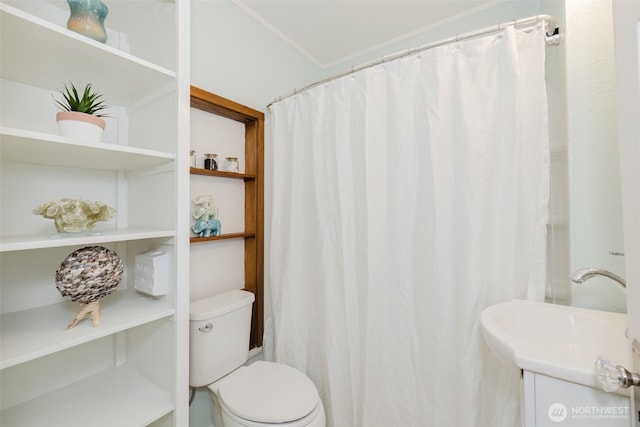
[(579, 276)]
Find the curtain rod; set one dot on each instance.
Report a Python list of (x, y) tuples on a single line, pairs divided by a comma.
[(551, 39)]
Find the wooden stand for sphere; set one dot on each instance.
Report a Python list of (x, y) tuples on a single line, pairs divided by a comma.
[(92, 309)]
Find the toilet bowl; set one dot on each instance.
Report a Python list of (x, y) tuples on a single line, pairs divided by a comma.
[(258, 395), (267, 394)]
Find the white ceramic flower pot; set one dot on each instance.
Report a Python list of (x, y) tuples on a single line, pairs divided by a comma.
[(80, 126)]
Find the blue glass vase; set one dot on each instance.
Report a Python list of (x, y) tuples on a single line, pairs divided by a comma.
[(87, 18)]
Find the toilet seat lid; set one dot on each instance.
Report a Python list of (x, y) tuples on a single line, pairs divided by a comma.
[(269, 393)]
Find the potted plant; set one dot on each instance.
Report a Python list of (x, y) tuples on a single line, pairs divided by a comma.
[(81, 116)]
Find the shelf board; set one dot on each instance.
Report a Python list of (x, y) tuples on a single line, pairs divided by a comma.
[(29, 334), (26, 242), (222, 174), (38, 53), (119, 396), (222, 237), (17, 145)]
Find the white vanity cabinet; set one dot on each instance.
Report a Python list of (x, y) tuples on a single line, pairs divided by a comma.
[(132, 370), (551, 402)]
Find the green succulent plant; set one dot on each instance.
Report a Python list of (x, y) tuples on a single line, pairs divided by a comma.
[(90, 102)]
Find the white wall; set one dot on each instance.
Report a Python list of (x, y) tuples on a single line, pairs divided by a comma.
[(595, 197), (217, 267), (499, 12), (236, 57), (626, 18)]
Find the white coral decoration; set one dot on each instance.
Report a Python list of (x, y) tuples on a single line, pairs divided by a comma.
[(73, 216)]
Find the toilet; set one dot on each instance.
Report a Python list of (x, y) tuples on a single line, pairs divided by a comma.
[(258, 395)]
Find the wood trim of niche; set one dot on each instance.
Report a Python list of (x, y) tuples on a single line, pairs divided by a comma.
[(253, 196)]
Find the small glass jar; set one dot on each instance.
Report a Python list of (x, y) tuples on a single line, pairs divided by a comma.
[(211, 161), (232, 164), (192, 158)]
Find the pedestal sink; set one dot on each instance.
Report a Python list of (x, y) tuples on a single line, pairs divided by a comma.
[(554, 340)]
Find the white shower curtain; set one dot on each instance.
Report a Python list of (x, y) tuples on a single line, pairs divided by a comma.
[(408, 197)]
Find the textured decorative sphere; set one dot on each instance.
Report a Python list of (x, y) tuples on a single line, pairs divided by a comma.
[(89, 274)]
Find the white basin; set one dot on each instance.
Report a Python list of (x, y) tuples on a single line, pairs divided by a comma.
[(555, 340)]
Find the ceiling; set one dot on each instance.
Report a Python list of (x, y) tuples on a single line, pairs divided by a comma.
[(331, 31)]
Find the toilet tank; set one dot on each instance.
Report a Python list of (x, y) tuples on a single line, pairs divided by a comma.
[(219, 329)]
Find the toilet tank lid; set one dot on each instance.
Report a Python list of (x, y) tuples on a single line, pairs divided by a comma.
[(220, 304)]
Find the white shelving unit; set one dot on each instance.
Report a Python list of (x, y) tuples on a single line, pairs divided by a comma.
[(132, 369), (46, 336), (38, 148), (43, 55), (25, 242), (70, 406)]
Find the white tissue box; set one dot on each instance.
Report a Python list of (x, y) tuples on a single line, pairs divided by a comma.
[(152, 272)]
